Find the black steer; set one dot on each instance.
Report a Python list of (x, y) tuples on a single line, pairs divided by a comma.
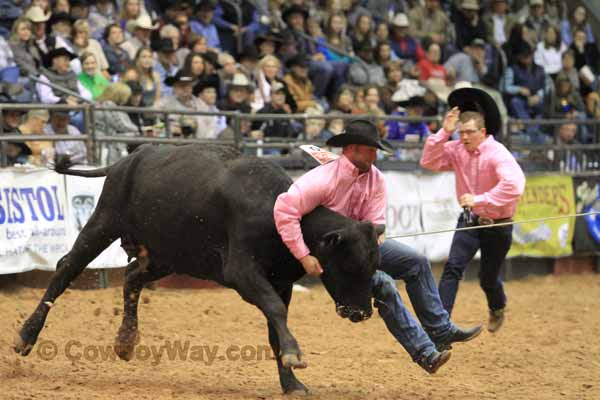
[(207, 212)]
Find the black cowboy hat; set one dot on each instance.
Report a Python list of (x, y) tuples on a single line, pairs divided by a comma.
[(360, 131), (205, 4), (163, 46), (60, 51), (294, 9), (179, 77), (60, 17), (211, 57), (210, 81), (473, 99), (300, 60), (414, 101), (267, 37)]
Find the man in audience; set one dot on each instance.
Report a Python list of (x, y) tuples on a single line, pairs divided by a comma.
[(141, 29), (59, 125)]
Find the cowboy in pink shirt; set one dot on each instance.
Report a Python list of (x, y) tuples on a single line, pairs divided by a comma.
[(355, 188), (489, 183)]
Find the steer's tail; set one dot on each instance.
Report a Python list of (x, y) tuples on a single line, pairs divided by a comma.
[(63, 164)]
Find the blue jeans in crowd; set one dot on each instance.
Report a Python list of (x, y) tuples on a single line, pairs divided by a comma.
[(327, 74), (399, 261), (9, 74), (494, 244)]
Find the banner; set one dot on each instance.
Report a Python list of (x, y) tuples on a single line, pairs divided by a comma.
[(33, 228), (82, 198), (545, 196), (587, 229)]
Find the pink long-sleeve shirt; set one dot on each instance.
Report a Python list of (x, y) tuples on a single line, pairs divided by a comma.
[(489, 172), (338, 186)]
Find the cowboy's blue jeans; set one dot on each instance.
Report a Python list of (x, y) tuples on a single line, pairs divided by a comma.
[(399, 261)]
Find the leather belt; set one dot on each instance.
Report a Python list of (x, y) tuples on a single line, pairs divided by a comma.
[(488, 221)]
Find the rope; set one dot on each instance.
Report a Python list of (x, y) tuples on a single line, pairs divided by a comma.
[(492, 225)]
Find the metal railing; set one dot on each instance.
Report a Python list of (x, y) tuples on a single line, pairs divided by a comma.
[(585, 154)]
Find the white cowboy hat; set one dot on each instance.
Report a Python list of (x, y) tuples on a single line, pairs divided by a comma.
[(143, 21), (400, 20), (439, 87), (36, 14)]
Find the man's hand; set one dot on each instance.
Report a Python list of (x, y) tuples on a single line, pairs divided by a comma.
[(451, 120), (381, 239), (467, 200), (311, 265), (523, 91), (533, 101)]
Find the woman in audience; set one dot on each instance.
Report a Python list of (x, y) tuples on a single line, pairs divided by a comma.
[(384, 54), (130, 11), (118, 59), (344, 100), (93, 81), (26, 54), (371, 106), (548, 53), (578, 20), (430, 67), (335, 31), (519, 35), (267, 72), (363, 31), (82, 43), (148, 78)]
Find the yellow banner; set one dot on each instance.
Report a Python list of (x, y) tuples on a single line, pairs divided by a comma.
[(545, 196)]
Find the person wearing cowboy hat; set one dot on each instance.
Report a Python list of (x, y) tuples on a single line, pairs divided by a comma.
[(355, 188), (489, 194), (207, 90), (141, 29), (166, 63), (203, 23), (238, 93), (183, 99), (403, 44), (57, 69)]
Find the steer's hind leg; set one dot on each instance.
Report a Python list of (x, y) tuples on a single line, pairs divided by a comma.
[(95, 236), (287, 379), (247, 278), (137, 274)]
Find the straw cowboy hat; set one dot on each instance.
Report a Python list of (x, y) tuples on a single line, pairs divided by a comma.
[(143, 22), (400, 21), (360, 131), (473, 99), (36, 14)]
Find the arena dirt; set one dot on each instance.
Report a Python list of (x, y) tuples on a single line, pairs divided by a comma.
[(548, 348)]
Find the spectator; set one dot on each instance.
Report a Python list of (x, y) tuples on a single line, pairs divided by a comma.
[(93, 82), (204, 23), (41, 151), (276, 105), (548, 53), (61, 27), (363, 31), (209, 126), (140, 120), (354, 11), (16, 152), (468, 24), (335, 31), (300, 87), (80, 9), (57, 70), (371, 106), (102, 14), (469, 64), (429, 66), (194, 66), (118, 59), (82, 43), (141, 28), (148, 77), (245, 126), (393, 74), (410, 105), (586, 61), (314, 127), (268, 70), (114, 123), (131, 11), (405, 46), (238, 95), (519, 35), (368, 72), (39, 20), (499, 23), (266, 44), (382, 33), (182, 23), (226, 20), (429, 21), (524, 85), (61, 6), (334, 127), (165, 64), (537, 20), (566, 97), (59, 125), (172, 33), (579, 21), (383, 54), (27, 55), (227, 71), (9, 71), (344, 100), (568, 67)]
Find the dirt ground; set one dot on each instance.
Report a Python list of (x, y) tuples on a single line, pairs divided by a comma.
[(548, 348)]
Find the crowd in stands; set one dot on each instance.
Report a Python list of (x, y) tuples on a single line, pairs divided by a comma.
[(537, 58)]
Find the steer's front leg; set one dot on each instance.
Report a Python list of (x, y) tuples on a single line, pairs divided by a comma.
[(255, 289)]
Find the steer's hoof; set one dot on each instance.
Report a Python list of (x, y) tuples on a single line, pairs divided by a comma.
[(21, 347), (125, 343), (296, 389), (292, 361)]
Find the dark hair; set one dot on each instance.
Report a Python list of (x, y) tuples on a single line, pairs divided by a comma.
[(106, 32), (187, 64)]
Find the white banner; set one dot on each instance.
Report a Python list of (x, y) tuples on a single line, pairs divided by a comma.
[(33, 227)]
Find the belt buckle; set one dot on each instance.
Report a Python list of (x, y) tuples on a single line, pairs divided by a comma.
[(485, 221)]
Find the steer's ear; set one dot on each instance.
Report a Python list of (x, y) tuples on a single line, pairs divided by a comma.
[(332, 239)]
